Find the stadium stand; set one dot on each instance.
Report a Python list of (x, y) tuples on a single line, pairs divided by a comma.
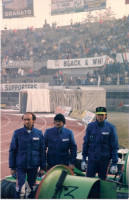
[(67, 42)]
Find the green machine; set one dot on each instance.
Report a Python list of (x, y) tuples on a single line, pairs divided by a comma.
[(126, 170), (61, 183), (123, 188)]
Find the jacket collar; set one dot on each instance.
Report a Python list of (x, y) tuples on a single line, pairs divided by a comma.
[(60, 129), (27, 129), (100, 123)]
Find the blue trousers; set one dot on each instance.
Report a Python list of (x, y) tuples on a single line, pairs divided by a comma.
[(21, 178), (100, 167)]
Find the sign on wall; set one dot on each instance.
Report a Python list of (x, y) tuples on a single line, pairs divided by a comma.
[(73, 6), (16, 87), (17, 8)]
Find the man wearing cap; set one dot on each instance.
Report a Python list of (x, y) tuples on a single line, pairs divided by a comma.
[(60, 144), (100, 146)]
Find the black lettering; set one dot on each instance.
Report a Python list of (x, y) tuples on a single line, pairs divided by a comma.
[(72, 63), (9, 88), (97, 61), (76, 63), (6, 88), (16, 87), (73, 188), (22, 86), (35, 86), (94, 61), (100, 61), (86, 62), (65, 63), (28, 86), (13, 87), (68, 63), (79, 63)]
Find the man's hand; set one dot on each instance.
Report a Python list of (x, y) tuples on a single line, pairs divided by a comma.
[(40, 173), (13, 173), (83, 165), (114, 169), (71, 166)]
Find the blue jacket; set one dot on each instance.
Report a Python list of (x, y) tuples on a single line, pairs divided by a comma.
[(62, 148), (27, 150), (100, 142)]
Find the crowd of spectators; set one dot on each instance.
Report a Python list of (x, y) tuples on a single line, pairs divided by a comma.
[(74, 41), (111, 74)]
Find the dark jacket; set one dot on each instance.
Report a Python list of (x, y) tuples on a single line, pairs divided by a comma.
[(27, 150), (100, 142), (62, 148)]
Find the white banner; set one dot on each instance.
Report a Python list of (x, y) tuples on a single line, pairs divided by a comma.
[(77, 63), (17, 64), (16, 87), (122, 57), (88, 117), (65, 110), (66, 6)]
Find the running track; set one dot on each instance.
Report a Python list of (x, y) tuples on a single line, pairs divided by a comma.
[(11, 120)]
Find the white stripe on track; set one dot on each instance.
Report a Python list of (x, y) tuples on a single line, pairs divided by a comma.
[(4, 162), (13, 130), (7, 122), (44, 124), (5, 141), (4, 150), (81, 131)]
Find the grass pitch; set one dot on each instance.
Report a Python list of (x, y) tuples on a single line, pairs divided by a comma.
[(121, 121)]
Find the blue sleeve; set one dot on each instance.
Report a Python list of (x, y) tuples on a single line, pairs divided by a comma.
[(73, 150), (42, 154), (85, 146), (13, 152), (114, 145), (46, 139)]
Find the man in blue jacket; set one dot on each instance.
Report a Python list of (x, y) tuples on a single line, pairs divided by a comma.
[(27, 154), (60, 144), (100, 146)]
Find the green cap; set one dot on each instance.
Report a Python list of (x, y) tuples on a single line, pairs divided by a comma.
[(101, 110)]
